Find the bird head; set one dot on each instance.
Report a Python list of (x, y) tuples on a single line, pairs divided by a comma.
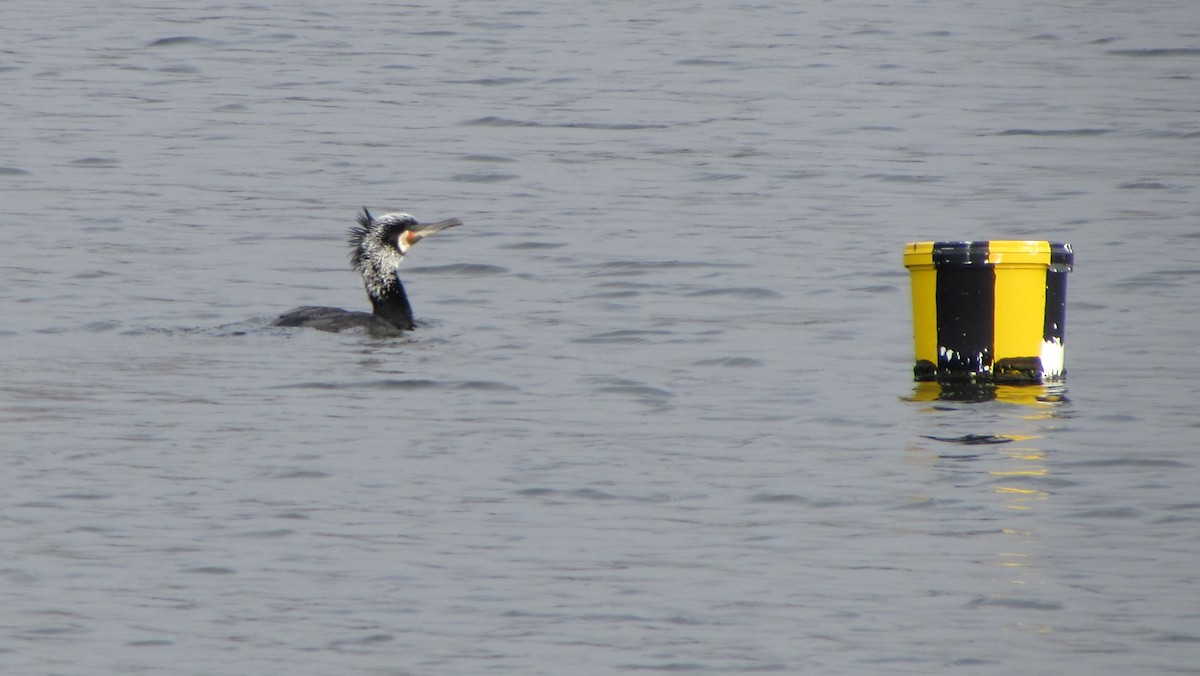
[(382, 242), (378, 244)]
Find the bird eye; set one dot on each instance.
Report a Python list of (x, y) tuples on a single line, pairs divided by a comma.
[(401, 242)]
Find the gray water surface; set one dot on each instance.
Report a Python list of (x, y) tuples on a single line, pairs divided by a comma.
[(660, 415)]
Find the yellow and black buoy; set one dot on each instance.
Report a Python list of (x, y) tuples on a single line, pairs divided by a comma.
[(989, 311)]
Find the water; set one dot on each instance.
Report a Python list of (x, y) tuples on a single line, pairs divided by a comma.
[(660, 415)]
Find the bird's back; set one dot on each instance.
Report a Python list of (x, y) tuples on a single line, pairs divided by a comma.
[(330, 319)]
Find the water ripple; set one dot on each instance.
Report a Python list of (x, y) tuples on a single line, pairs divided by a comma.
[(495, 121), (465, 269), (753, 293), (402, 384), (624, 336), (731, 362), (1054, 132), (1157, 52)]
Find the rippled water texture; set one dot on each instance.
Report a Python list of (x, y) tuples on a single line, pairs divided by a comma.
[(660, 415)]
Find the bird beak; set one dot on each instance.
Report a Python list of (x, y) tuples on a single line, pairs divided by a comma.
[(426, 229)]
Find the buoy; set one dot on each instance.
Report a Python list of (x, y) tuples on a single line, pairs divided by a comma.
[(992, 311)]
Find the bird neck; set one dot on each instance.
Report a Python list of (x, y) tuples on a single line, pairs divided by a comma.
[(391, 304)]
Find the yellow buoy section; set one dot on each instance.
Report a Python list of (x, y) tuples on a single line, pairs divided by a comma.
[(1019, 317), (918, 257)]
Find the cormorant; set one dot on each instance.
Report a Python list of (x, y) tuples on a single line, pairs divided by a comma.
[(377, 247)]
